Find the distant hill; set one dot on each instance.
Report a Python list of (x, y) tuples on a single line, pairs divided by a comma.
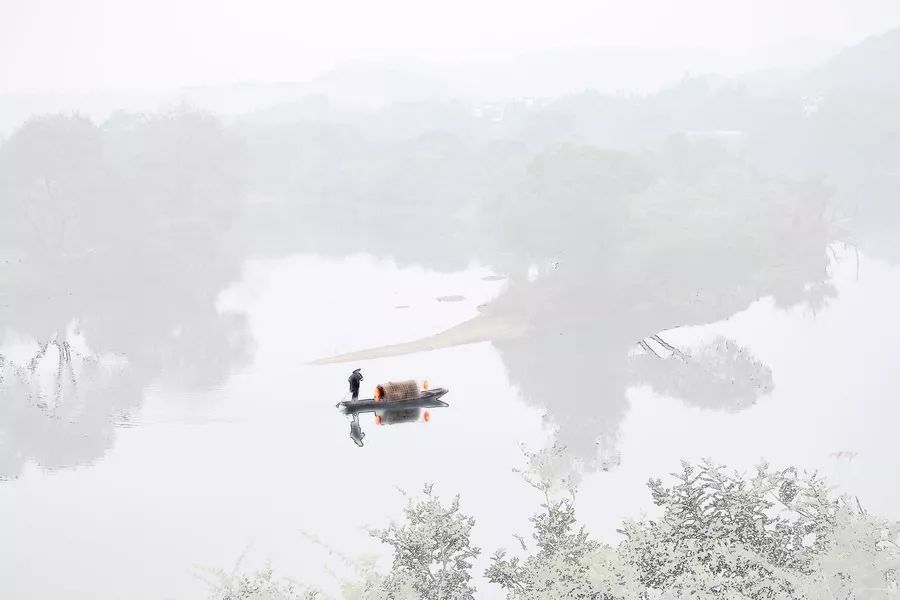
[(354, 86), (374, 87), (872, 66)]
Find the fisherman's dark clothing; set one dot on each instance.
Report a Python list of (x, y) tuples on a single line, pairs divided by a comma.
[(354, 380)]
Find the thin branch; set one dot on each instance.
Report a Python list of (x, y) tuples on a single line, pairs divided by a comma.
[(648, 349), (668, 346), (59, 374), (32, 365), (793, 508)]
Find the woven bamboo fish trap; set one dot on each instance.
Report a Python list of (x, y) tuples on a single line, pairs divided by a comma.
[(400, 390)]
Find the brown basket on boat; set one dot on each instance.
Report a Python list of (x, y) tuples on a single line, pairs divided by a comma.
[(395, 391)]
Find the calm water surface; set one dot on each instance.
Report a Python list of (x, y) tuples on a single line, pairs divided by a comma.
[(195, 479)]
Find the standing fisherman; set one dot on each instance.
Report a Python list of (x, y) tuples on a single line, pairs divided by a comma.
[(354, 380)]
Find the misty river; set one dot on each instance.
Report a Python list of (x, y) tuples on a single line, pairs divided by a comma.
[(193, 479), (651, 252)]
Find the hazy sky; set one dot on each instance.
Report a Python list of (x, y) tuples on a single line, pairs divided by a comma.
[(124, 43)]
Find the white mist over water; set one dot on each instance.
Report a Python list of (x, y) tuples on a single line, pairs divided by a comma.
[(199, 477)]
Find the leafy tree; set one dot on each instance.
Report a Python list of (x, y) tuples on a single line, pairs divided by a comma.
[(775, 535), (559, 566), (778, 534), (432, 550), (259, 585), (101, 224), (720, 374), (364, 581), (566, 562)]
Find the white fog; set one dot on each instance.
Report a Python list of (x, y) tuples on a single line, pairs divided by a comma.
[(640, 262)]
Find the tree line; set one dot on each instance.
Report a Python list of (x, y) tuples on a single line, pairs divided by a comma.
[(776, 533)]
